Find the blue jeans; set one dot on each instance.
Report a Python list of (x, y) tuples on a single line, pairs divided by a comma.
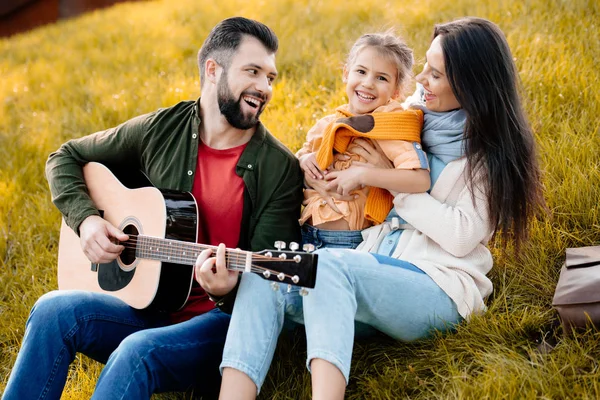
[(390, 295), (143, 354), (332, 239)]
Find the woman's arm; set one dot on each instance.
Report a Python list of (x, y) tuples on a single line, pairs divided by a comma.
[(394, 180), (378, 171), (458, 228)]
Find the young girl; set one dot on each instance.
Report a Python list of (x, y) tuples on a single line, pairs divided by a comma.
[(376, 70)]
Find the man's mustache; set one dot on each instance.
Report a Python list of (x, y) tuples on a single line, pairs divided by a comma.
[(258, 95)]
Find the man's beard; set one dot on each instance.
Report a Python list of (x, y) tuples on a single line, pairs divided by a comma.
[(232, 109)]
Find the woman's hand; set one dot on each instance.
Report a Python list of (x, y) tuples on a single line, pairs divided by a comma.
[(329, 196), (345, 181), (371, 152)]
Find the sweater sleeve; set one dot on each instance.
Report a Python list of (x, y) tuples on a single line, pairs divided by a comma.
[(404, 154), (458, 228)]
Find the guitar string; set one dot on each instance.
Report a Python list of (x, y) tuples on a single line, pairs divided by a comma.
[(174, 245), (238, 255)]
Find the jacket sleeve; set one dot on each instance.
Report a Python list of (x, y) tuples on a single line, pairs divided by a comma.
[(115, 146), (458, 228), (279, 219)]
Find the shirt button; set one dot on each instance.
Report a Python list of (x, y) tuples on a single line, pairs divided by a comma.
[(190, 173), (194, 136), (390, 241), (249, 166), (418, 146)]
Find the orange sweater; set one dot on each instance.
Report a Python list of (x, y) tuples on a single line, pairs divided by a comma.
[(389, 123)]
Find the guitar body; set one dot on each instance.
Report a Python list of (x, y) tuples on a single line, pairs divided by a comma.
[(141, 283)]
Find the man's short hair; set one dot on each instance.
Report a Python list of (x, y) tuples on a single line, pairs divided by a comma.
[(224, 39)]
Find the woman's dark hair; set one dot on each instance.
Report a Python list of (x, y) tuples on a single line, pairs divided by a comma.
[(499, 140), (224, 39)]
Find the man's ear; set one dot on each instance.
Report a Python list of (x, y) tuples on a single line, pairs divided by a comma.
[(211, 68), (345, 74)]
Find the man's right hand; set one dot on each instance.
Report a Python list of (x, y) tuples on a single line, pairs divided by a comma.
[(97, 236)]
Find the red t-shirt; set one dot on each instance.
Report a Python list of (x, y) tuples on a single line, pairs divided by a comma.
[(219, 193)]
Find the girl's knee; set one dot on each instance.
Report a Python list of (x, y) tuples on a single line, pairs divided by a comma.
[(333, 263)]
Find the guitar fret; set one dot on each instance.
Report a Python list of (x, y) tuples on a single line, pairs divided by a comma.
[(186, 253)]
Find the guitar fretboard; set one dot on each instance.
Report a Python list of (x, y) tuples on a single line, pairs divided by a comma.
[(185, 253)]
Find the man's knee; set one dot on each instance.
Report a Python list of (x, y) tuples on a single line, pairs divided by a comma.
[(50, 306), (135, 347)]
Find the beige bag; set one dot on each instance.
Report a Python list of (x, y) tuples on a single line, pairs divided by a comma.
[(577, 295)]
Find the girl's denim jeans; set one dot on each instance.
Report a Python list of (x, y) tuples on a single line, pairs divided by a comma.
[(390, 295), (332, 239)]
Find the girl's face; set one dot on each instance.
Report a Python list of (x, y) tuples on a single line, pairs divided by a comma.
[(370, 81), (438, 93)]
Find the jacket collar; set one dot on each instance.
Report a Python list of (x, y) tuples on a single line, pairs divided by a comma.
[(247, 160)]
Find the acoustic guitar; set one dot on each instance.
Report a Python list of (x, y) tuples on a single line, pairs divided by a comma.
[(156, 269)]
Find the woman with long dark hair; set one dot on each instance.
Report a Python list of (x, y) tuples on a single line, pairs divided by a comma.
[(424, 269)]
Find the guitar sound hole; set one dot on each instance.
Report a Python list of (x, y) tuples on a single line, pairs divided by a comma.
[(128, 255)]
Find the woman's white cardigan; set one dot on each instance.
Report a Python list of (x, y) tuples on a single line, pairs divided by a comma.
[(446, 237)]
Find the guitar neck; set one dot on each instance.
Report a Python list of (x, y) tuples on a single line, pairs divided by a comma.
[(179, 252)]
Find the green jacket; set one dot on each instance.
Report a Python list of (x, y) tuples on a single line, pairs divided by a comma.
[(163, 145)]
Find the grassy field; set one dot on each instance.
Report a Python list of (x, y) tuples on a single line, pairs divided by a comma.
[(87, 74)]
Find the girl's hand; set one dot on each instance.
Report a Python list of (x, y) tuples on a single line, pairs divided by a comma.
[(329, 196), (371, 152), (344, 182), (308, 163)]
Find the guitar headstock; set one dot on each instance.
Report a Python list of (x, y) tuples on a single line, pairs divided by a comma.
[(292, 267)]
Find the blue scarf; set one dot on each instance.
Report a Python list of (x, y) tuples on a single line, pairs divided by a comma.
[(443, 132)]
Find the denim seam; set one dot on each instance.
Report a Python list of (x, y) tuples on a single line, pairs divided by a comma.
[(144, 357), (137, 366), (52, 374), (72, 333), (281, 304), (66, 337), (110, 319)]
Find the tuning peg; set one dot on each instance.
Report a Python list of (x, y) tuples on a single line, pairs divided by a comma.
[(267, 274), (279, 245), (303, 292), (281, 276), (275, 286), (295, 279), (294, 246), (289, 288), (308, 247)]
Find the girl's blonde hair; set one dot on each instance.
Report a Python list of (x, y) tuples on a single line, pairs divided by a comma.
[(390, 46)]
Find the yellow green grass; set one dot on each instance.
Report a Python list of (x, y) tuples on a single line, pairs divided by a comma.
[(87, 74)]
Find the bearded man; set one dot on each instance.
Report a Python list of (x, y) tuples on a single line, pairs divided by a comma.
[(248, 188)]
